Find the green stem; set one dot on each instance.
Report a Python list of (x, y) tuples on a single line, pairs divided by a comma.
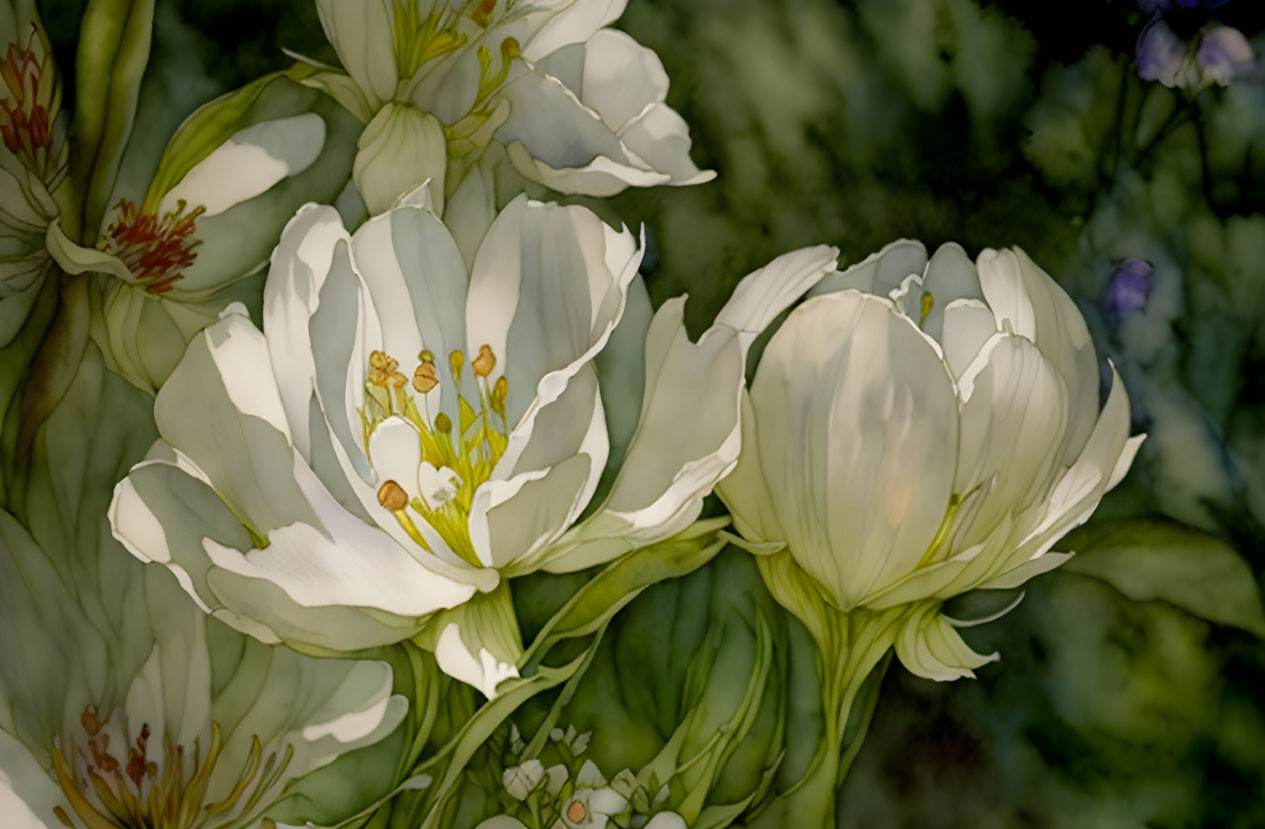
[(853, 650)]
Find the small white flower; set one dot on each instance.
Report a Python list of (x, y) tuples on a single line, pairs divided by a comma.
[(593, 803), (521, 780)]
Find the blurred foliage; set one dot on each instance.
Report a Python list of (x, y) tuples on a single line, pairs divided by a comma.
[(990, 124)]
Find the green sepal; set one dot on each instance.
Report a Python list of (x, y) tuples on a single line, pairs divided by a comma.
[(624, 579)]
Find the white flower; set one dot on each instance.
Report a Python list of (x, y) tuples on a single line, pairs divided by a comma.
[(211, 718), (175, 250), (593, 803), (908, 448), (579, 107), (33, 160), (289, 486)]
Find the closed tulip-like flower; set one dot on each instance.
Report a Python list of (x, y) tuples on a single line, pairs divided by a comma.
[(914, 431), (917, 430), (406, 432)]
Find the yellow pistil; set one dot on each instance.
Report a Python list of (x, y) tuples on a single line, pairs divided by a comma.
[(469, 448), (106, 793), (576, 811), (926, 302)]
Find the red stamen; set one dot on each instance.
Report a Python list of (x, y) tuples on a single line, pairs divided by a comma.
[(155, 249)]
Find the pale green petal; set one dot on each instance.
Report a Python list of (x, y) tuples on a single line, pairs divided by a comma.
[(478, 642), (880, 272), (546, 291), (361, 34), (672, 464), (857, 423), (299, 266), (221, 408), (1013, 415), (745, 490), (400, 149), (55, 661), (28, 794), (931, 648), (1036, 307)]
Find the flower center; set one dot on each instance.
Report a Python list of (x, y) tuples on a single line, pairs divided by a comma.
[(137, 793), (25, 103), (463, 453), (576, 811), (418, 39), (155, 249)]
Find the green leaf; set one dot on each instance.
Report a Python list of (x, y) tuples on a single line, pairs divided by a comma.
[(624, 579), (114, 42), (1159, 560)]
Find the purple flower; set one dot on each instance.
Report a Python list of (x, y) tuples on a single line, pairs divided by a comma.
[(1225, 54), (1154, 6), (1160, 54), (1127, 293)]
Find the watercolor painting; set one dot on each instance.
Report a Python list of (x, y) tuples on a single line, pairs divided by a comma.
[(671, 414)]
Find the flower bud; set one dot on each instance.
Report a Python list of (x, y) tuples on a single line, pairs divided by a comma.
[(400, 149)]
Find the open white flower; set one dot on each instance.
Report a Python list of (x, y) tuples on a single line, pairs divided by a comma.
[(213, 725), (579, 107), (405, 432), (173, 251), (921, 429), (33, 155)]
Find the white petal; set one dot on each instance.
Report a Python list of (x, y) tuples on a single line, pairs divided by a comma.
[(1036, 307), (481, 670), (417, 281), (767, 292), (547, 289), (965, 325), (27, 792), (395, 450), (879, 272), (299, 267), (1013, 417), (858, 439), (950, 277), (931, 648), (222, 409), (361, 34), (563, 22), (249, 163)]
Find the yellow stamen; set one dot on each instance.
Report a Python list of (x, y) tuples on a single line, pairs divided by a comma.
[(927, 301), (392, 496), (576, 811), (485, 362)]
